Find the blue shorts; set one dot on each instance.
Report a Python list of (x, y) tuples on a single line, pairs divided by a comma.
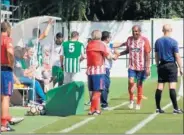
[(6, 83), (96, 82), (138, 75)]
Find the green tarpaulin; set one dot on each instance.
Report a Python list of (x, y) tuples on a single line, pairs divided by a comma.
[(66, 100), (154, 72)]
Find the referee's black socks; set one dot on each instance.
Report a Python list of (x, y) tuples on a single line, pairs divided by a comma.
[(158, 95), (172, 93)]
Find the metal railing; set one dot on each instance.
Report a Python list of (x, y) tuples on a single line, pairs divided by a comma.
[(7, 13)]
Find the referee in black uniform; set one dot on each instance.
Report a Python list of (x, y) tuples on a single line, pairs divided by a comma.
[(166, 56)]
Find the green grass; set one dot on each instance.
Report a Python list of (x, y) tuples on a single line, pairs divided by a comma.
[(117, 121), (169, 123)]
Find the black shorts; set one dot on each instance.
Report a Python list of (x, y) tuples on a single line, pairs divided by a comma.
[(167, 72)]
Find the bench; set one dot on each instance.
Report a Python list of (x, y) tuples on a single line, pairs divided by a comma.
[(24, 90)]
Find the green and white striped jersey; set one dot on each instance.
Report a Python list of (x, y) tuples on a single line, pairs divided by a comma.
[(72, 52), (38, 50)]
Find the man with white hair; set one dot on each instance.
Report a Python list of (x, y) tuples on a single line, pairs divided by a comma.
[(166, 56), (96, 52)]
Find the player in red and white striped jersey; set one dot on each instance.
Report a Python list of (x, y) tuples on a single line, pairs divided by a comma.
[(139, 49), (96, 52)]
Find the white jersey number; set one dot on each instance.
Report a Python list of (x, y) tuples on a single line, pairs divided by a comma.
[(71, 47)]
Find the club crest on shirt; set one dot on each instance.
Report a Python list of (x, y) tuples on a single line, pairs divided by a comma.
[(135, 49)]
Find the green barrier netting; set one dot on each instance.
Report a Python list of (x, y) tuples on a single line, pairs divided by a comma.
[(154, 71), (66, 100)]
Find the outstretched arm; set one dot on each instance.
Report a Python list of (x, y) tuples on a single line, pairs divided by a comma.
[(106, 52), (116, 52), (124, 52), (117, 45), (127, 49), (110, 56), (46, 32)]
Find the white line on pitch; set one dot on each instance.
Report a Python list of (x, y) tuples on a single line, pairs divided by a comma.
[(47, 124), (117, 106), (77, 125), (147, 120), (81, 123)]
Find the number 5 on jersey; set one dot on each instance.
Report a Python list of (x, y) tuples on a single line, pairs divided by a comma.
[(71, 47)]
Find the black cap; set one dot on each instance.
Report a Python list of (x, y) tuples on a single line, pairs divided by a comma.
[(59, 35)]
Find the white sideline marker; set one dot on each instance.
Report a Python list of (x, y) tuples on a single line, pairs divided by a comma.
[(112, 108), (77, 125), (47, 124), (81, 123), (147, 120)]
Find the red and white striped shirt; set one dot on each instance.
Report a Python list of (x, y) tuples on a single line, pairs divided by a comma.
[(94, 70), (96, 52), (137, 51)]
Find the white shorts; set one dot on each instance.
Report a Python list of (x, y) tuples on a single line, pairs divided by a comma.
[(70, 77)]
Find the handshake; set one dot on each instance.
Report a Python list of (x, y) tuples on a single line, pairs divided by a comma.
[(115, 56)]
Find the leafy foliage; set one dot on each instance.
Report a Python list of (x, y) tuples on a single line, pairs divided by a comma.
[(98, 10)]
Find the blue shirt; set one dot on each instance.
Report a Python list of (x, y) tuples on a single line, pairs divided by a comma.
[(166, 47)]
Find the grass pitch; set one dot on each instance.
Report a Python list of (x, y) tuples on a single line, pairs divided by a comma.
[(118, 120)]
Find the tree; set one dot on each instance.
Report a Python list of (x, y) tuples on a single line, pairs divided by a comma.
[(99, 10)]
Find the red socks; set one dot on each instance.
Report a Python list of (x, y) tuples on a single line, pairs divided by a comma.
[(139, 94), (5, 120), (95, 101)]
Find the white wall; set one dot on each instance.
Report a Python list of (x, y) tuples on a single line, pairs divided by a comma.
[(120, 31)]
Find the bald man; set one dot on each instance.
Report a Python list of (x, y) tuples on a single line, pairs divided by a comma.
[(166, 56), (138, 48)]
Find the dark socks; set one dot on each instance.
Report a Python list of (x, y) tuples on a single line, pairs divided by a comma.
[(158, 95), (172, 93)]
